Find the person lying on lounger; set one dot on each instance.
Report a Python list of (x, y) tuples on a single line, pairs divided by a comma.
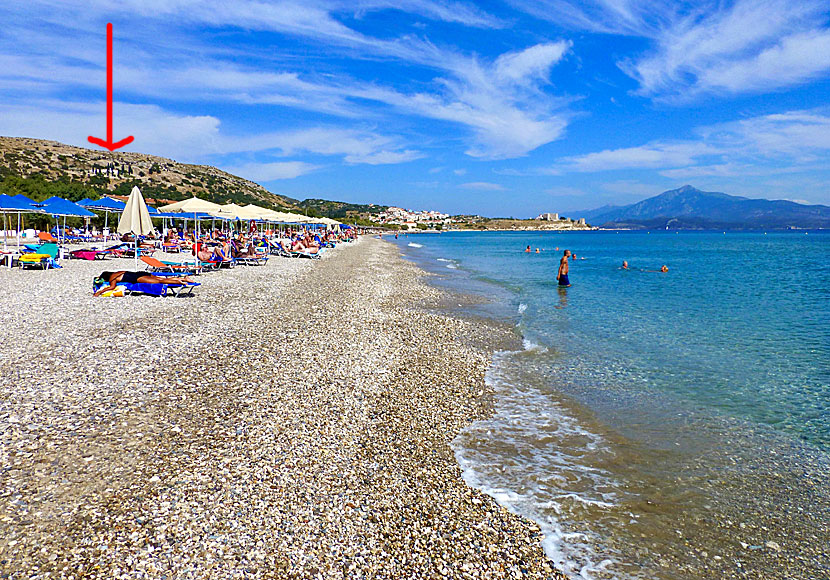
[(206, 255), (124, 277)]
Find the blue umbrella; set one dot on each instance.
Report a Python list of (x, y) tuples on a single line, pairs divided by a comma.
[(18, 204), (57, 206), (106, 205)]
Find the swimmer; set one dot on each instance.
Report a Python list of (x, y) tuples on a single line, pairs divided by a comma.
[(625, 265), (664, 269), (537, 250), (527, 250)]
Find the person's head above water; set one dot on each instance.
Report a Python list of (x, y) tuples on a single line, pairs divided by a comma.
[(567, 253), (625, 265), (664, 268)]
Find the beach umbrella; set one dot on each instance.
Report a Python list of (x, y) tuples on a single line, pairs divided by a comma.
[(135, 219), (106, 205), (59, 207), (15, 205), (194, 204)]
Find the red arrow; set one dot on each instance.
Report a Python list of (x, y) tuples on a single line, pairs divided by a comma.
[(108, 144)]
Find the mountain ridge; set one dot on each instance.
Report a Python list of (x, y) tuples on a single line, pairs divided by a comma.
[(690, 208), (116, 172)]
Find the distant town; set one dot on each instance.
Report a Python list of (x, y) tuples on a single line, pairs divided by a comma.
[(407, 219)]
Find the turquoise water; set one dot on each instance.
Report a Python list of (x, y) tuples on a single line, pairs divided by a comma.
[(657, 424)]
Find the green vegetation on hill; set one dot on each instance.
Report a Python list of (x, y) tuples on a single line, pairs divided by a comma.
[(341, 210), (41, 169)]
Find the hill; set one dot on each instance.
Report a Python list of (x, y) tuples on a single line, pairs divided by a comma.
[(341, 210), (691, 208), (40, 168)]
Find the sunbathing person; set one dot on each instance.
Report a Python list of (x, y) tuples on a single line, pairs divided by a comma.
[(124, 277), (206, 255), (249, 252), (299, 246)]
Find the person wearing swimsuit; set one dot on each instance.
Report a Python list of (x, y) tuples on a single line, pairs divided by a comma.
[(124, 277), (562, 275)]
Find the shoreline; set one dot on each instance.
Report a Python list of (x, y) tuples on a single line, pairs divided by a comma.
[(291, 420)]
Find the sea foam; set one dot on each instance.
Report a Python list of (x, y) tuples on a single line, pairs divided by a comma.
[(530, 458)]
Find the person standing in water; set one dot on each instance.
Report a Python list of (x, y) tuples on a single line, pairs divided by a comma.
[(562, 275)]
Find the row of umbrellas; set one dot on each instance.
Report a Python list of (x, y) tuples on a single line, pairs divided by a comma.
[(57, 207), (193, 208), (247, 212)]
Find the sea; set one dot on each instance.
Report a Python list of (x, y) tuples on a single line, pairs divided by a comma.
[(654, 425)]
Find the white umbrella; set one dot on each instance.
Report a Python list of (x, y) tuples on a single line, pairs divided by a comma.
[(135, 219)]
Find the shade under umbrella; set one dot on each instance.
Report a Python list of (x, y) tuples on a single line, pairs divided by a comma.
[(135, 219)]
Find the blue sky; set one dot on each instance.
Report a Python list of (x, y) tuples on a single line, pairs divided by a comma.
[(499, 108)]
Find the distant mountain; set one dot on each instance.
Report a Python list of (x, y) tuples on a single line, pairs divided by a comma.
[(691, 208)]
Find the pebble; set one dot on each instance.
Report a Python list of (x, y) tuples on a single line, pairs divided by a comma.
[(287, 421)]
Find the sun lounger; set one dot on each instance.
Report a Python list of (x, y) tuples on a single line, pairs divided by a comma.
[(155, 265), (45, 256), (253, 261), (173, 289), (280, 250), (87, 254)]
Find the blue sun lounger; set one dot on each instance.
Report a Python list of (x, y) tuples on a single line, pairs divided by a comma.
[(172, 289)]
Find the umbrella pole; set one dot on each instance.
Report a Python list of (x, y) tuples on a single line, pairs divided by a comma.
[(136, 251)]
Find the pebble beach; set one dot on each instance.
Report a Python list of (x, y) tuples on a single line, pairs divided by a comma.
[(291, 420)]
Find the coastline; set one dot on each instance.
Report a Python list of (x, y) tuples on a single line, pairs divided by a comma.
[(292, 420)]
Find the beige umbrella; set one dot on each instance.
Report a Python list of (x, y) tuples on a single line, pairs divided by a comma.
[(135, 219), (252, 212), (194, 205)]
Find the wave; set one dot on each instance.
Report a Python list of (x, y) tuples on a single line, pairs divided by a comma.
[(414, 245), (522, 308), (529, 345), (444, 260), (534, 458)]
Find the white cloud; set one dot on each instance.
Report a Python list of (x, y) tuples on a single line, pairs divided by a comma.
[(508, 112), (272, 171), (385, 157), (635, 17), (749, 46), (797, 135), (766, 144), (482, 186), (503, 102), (707, 47), (530, 64), (183, 137), (356, 146), (796, 59), (192, 138), (653, 155), (460, 171)]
